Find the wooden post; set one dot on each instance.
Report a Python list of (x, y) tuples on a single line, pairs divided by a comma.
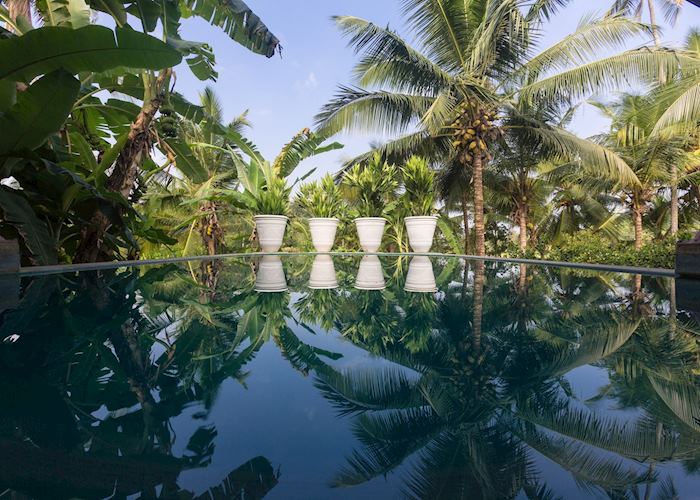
[(688, 258), (9, 279), (9, 256)]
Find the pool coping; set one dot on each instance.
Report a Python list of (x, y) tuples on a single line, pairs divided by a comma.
[(66, 268)]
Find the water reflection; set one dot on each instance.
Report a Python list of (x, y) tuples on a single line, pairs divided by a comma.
[(270, 275), (370, 275), (505, 381), (420, 276), (323, 273)]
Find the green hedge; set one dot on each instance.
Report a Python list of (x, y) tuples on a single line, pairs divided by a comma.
[(588, 247)]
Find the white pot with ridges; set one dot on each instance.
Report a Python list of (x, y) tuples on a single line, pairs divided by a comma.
[(421, 230), (270, 229), (323, 232), (370, 231)]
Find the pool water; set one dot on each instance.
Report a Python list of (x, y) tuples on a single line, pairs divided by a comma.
[(341, 377)]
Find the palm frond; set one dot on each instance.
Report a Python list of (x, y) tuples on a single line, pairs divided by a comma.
[(443, 28), (360, 391), (685, 109), (595, 159), (388, 60), (604, 75), (303, 145), (589, 40), (364, 110), (388, 439)]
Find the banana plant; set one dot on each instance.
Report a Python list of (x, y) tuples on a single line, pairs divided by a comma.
[(87, 152), (265, 184)]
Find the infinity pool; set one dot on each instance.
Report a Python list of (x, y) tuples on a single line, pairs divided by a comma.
[(340, 377)]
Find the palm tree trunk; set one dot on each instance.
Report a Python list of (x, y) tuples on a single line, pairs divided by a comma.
[(479, 227), (655, 34), (637, 286), (652, 20), (674, 199), (465, 217), (522, 279), (479, 269), (637, 211), (522, 221), (210, 229), (124, 174)]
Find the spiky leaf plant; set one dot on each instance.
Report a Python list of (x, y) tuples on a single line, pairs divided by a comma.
[(372, 187), (320, 198), (419, 185), (273, 197)]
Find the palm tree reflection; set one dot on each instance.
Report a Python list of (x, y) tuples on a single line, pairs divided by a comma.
[(472, 392), (470, 412)]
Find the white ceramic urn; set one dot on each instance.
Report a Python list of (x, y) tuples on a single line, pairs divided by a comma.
[(323, 273), (270, 229), (420, 277), (421, 229), (370, 231), (323, 232), (270, 276), (370, 275)]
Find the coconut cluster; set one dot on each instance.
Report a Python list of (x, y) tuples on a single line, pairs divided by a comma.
[(472, 130)]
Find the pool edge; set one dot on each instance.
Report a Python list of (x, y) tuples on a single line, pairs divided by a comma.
[(65, 268)]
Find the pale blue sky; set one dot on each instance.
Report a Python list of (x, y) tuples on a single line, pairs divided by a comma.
[(283, 94)]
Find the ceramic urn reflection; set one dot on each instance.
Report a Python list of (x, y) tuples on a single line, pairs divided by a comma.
[(370, 275), (420, 277), (323, 273), (270, 276)]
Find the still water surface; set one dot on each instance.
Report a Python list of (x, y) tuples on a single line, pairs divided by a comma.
[(324, 377)]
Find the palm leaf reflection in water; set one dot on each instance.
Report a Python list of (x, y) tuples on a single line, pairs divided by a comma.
[(473, 391)]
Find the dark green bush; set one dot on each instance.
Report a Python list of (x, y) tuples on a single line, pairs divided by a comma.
[(592, 248)]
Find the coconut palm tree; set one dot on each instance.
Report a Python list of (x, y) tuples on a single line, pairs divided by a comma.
[(671, 10), (517, 186), (681, 108), (651, 157), (472, 59)]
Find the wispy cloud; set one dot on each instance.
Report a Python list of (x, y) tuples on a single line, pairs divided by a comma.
[(261, 112), (310, 83)]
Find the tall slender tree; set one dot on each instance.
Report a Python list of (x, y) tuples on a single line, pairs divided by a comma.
[(671, 10), (649, 156)]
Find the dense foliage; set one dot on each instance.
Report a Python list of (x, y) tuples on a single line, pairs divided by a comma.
[(321, 198), (102, 159), (372, 187), (419, 187)]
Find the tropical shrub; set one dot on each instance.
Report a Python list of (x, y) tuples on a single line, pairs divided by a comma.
[(265, 192), (372, 187), (588, 247), (265, 187), (419, 187), (273, 198), (78, 152), (320, 198)]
